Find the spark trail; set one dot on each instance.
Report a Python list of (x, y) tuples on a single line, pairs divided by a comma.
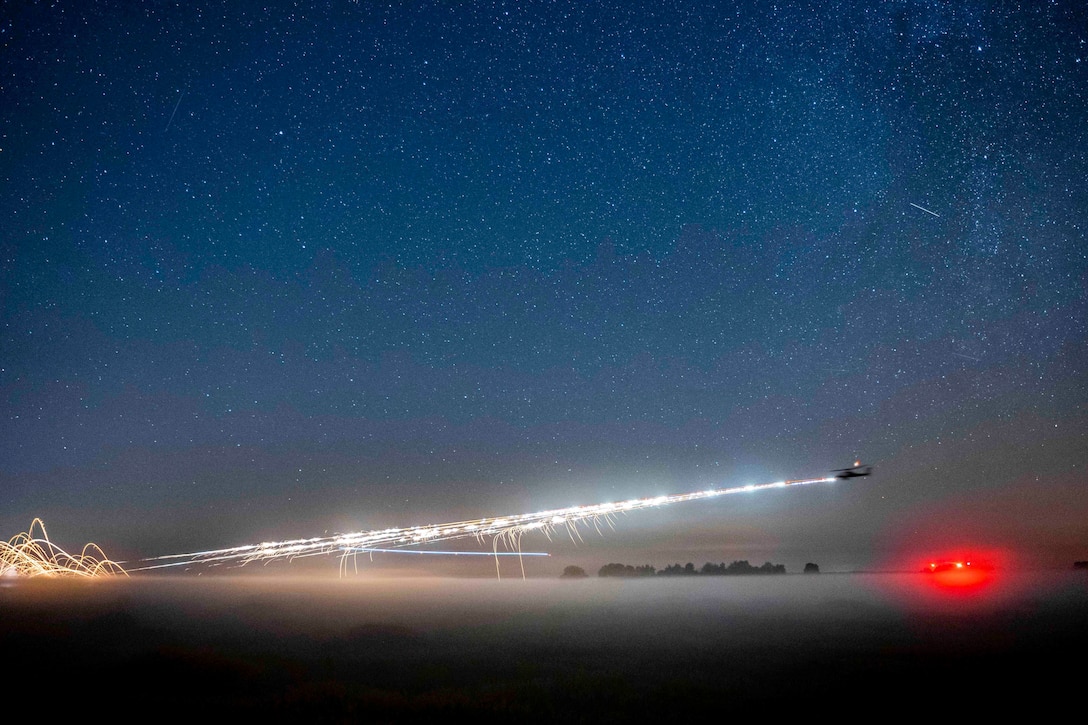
[(32, 554), (502, 531)]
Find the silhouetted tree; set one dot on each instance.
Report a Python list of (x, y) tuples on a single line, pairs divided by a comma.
[(737, 567), (574, 572), (612, 570), (811, 568), (625, 570)]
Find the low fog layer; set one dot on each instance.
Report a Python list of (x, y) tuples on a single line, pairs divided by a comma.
[(416, 648)]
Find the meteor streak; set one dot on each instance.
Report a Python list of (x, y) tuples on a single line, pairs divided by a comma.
[(504, 531), (927, 211)]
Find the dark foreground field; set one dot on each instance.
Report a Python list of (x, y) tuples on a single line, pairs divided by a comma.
[(312, 649)]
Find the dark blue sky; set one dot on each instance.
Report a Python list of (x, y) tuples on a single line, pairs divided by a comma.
[(271, 271)]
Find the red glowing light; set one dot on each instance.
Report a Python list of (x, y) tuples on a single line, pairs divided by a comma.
[(959, 574)]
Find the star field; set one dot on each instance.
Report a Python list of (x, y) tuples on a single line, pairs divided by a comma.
[(276, 270)]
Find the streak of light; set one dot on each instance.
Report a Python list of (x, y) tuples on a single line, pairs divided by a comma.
[(30, 555), (927, 211), (502, 531), (446, 553), (180, 96)]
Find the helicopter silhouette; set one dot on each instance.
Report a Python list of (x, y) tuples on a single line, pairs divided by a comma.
[(856, 471)]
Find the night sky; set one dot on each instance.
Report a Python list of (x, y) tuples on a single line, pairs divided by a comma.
[(275, 271)]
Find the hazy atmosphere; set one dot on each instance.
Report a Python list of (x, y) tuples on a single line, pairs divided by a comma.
[(279, 271)]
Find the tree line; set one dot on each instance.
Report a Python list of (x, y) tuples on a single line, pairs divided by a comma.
[(708, 569)]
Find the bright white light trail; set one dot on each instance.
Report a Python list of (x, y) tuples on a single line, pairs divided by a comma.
[(505, 531), (446, 553)]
